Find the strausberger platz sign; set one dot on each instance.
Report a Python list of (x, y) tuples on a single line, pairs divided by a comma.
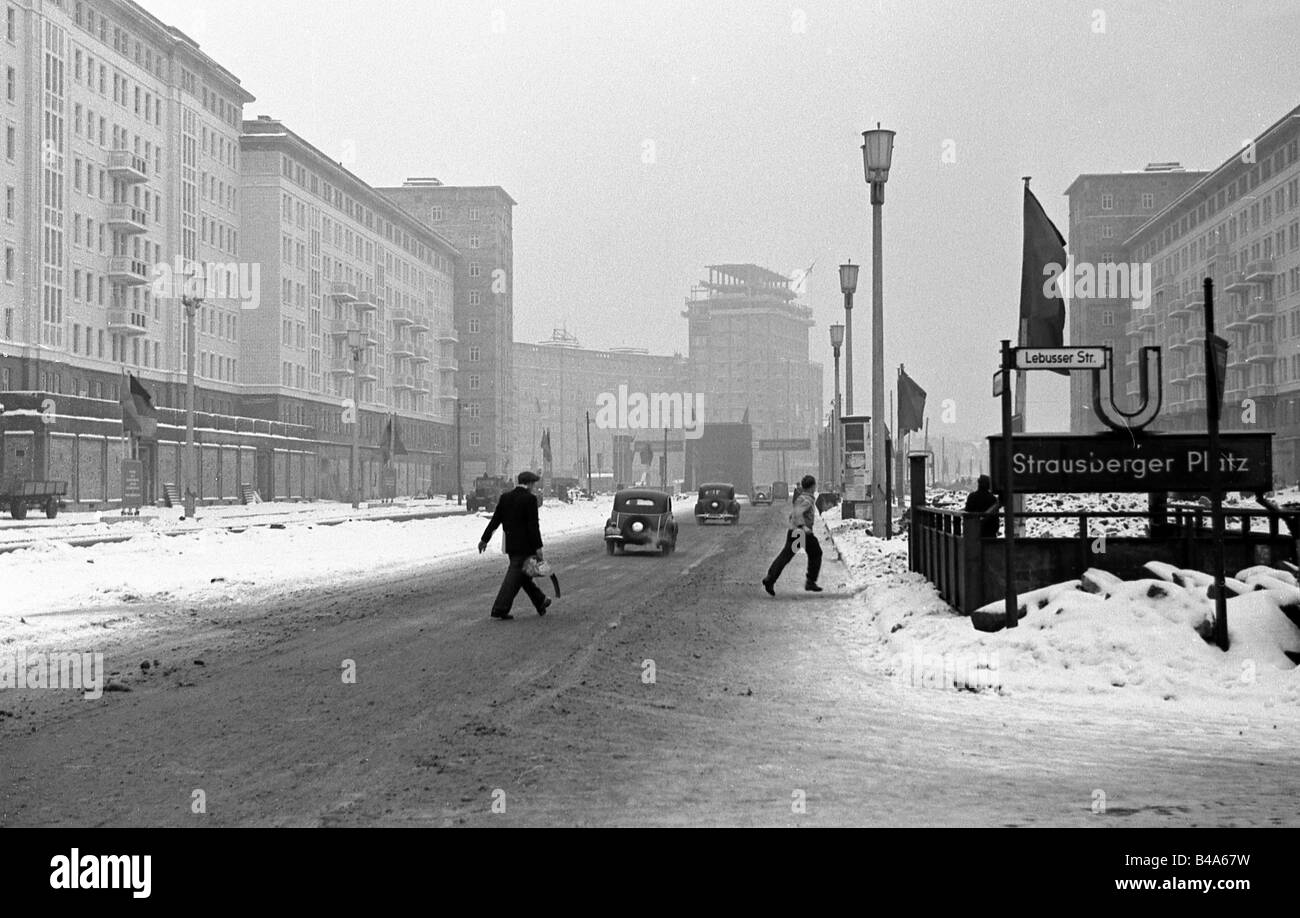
[(1063, 463)]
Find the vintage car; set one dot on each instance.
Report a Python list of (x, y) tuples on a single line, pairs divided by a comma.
[(762, 495), (717, 501), (641, 516), (780, 490), (487, 490)]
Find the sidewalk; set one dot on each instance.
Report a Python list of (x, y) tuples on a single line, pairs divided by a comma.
[(88, 528)]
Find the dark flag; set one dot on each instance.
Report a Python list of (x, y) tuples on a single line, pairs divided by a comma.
[(546, 445), (1042, 307), (745, 418), (911, 404), (1220, 346), (138, 413), (392, 433), (647, 454)]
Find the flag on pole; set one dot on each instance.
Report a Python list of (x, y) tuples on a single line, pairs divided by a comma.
[(1220, 348), (911, 403), (138, 413), (392, 434), (546, 445), (647, 453), (1042, 303)]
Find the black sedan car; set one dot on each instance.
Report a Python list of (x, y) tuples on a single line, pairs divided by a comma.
[(717, 501), (761, 496), (641, 516)]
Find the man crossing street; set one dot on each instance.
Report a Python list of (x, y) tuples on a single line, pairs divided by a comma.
[(799, 534), (517, 512)]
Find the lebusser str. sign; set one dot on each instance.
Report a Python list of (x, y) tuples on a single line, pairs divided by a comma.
[(1061, 463)]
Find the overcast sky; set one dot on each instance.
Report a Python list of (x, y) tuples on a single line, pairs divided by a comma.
[(645, 140)]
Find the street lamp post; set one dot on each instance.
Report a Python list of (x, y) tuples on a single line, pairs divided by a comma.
[(356, 344), (190, 463), (460, 478), (837, 465), (848, 284), (877, 152)]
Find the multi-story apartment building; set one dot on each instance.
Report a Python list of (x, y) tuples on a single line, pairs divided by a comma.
[(1240, 226), (121, 155), (1105, 210), (559, 384), (336, 255), (749, 357), (478, 221)]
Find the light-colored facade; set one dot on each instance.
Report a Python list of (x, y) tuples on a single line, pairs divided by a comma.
[(121, 154), (334, 255), (1240, 226), (558, 384), (1105, 210), (478, 220), (749, 357)]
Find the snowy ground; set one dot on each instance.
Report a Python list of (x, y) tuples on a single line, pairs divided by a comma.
[(1125, 650), (214, 565)]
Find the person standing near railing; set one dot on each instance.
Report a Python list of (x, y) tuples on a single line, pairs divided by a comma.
[(984, 502)]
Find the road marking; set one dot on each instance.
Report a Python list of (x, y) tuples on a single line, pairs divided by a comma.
[(699, 561)]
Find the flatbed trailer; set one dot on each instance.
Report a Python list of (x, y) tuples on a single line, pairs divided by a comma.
[(20, 496)]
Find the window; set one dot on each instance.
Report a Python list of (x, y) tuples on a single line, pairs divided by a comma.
[(475, 354), (474, 240), (475, 297), (1107, 202), (9, 264), (475, 438), (1148, 201), (1108, 317), (474, 381), (475, 269), (473, 213), (436, 215), (473, 326), (11, 143), (1107, 232)]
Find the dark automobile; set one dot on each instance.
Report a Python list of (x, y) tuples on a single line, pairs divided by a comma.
[(780, 490), (717, 502), (761, 496), (641, 516), (487, 489)]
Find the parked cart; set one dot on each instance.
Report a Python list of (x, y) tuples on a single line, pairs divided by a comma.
[(18, 496)]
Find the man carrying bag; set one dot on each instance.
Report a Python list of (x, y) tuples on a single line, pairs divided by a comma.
[(516, 512), (799, 535)]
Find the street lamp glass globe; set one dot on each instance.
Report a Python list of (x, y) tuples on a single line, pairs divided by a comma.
[(877, 153), (849, 277), (837, 335)]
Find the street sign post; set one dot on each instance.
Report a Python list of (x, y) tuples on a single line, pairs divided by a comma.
[(1062, 358)]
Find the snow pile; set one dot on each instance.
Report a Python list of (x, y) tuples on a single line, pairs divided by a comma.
[(1132, 643)]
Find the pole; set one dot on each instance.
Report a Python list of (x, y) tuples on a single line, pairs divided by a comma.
[(356, 427), (1216, 490), (590, 489), (191, 307), (460, 477), (1008, 497), (837, 464), (879, 512), (929, 461), (848, 352)]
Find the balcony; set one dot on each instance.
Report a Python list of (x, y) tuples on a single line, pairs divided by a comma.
[(400, 317), (1131, 358), (1176, 344), (1194, 302), (1236, 319), (123, 269), (1260, 270), (124, 218), (125, 166), (1261, 309), (126, 322), (340, 329), (1133, 389), (1217, 252), (446, 364), (401, 347), (1261, 351), (1177, 376), (343, 292), (419, 323), (365, 301), (403, 381), (1235, 282), (367, 371), (1178, 308), (1259, 390), (1195, 371)]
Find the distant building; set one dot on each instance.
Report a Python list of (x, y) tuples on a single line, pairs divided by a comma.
[(1105, 210), (479, 222), (336, 255), (749, 358), (558, 383)]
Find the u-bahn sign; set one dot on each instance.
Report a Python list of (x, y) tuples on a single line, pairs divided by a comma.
[(1062, 463)]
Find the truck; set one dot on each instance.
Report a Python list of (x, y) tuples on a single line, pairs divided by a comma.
[(487, 489)]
